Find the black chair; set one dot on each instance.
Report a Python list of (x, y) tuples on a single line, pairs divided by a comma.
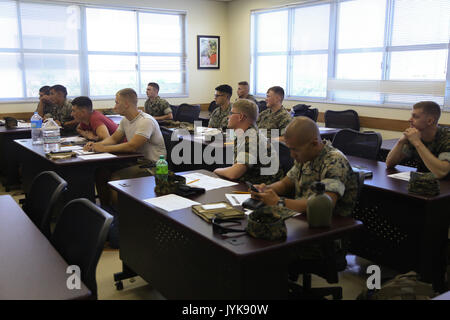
[(40, 202), (284, 154), (167, 135), (174, 111), (213, 105), (187, 113), (334, 261), (360, 144), (80, 236), (262, 105), (342, 119), (305, 111)]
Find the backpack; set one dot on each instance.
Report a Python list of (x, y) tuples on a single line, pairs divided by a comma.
[(403, 287)]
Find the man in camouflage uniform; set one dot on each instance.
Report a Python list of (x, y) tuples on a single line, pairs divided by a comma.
[(44, 106), (315, 160), (425, 143), (155, 106), (275, 116), (219, 117), (247, 162), (61, 110), (243, 90)]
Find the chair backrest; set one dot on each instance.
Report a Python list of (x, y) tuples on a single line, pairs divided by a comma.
[(305, 112), (174, 111), (286, 162), (262, 105), (167, 135), (188, 113), (80, 236), (361, 144), (45, 191), (342, 119), (213, 105)]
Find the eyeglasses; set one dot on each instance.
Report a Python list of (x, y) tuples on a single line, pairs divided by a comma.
[(231, 113), (218, 95)]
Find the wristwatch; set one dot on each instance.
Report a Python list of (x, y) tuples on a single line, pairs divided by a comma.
[(281, 202)]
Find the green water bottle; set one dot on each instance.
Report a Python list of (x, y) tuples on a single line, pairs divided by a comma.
[(162, 169), (319, 207)]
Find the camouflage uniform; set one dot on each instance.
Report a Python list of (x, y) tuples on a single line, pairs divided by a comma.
[(439, 147), (62, 114), (334, 171), (47, 110), (250, 157), (219, 118), (251, 98), (278, 120), (157, 107)]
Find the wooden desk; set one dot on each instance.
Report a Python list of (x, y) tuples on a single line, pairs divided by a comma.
[(178, 254), (31, 268), (402, 230), (79, 173), (8, 154)]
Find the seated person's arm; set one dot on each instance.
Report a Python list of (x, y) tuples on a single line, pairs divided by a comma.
[(270, 198), (116, 138), (107, 145), (102, 132), (234, 172), (164, 117), (282, 187), (440, 168), (396, 155)]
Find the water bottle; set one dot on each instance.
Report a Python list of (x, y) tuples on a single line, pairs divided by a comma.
[(162, 169), (319, 207), (36, 128), (51, 135)]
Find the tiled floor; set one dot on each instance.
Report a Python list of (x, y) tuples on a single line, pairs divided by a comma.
[(352, 280)]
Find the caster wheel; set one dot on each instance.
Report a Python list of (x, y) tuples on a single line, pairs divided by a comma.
[(132, 280), (119, 285)]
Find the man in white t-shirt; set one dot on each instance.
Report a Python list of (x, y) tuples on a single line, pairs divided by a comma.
[(143, 135)]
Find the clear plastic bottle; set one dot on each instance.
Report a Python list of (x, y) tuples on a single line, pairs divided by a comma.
[(51, 135), (162, 169), (36, 128)]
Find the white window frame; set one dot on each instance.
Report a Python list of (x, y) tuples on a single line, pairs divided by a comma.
[(83, 52), (383, 86)]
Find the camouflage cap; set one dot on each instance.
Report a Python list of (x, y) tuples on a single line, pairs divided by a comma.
[(170, 186), (268, 223), (424, 184)]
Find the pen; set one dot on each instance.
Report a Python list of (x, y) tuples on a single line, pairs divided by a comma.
[(241, 192), (193, 181), (235, 199)]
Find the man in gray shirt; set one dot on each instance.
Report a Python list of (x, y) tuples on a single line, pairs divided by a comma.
[(143, 135)]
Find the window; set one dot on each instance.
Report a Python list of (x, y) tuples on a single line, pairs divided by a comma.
[(92, 51), (376, 52)]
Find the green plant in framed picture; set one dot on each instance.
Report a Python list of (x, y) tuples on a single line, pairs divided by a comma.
[(208, 52)]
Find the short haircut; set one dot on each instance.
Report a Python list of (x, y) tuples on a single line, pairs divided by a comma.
[(243, 83), (83, 102), (225, 88), (430, 108), (277, 90), (45, 90), (154, 85), (129, 95), (59, 88), (247, 107)]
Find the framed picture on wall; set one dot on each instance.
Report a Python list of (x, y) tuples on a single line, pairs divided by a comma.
[(208, 52)]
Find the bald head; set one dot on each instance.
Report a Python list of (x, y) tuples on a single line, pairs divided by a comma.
[(302, 130)]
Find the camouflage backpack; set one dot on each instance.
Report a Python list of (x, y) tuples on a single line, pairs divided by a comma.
[(423, 184), (403, 287)]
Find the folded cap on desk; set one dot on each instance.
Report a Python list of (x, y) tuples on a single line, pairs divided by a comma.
[(424, 184), (268, 222)]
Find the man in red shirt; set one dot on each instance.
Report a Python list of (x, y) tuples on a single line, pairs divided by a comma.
[(93, 124)]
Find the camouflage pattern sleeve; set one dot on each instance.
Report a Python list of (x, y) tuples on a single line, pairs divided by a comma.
[(444, 146)]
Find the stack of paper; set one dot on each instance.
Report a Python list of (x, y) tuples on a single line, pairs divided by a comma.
[(237, 199), (97, 156), (171, 202), (208, 183)]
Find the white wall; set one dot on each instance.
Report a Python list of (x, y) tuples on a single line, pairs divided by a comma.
[(239, 32), (203, 18)]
